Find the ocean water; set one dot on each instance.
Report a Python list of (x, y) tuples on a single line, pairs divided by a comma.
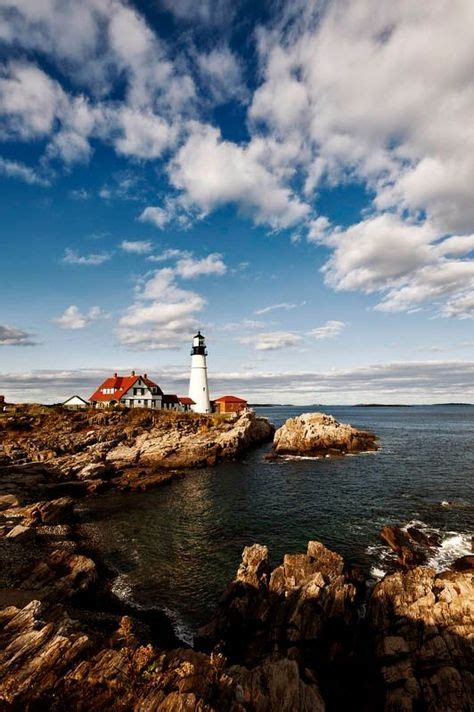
[(177, 547)]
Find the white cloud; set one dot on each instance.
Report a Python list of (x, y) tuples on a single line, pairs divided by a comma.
[(329, 330), (272, 340), (10, 336), (221, 74), (15, 169), (359, 85), (286, 306), (73, 318), (159, 217), (163, 315), (29, 101), (409, 262), (72, 257), (213, 172), (138, 247), (142, 135), (189, 267), (169, 254)]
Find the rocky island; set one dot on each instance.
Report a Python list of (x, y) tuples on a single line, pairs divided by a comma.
[(319, 435)]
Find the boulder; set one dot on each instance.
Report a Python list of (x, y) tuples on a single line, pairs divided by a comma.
[(318, 434), (408, 551)]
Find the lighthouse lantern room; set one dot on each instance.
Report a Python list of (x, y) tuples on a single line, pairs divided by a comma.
[(198, 386)]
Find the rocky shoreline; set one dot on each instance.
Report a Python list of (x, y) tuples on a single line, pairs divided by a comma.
[(91, 451), (310, 634), (291, 638)]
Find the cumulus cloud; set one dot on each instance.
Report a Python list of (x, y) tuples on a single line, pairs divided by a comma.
[(72, 257), (10, 336), (73, 318), (163, 314), (189, 267), (159, 217), (212, 172), (409, 262), (329, 330), (346, 91), (271, 340), (359, 84), (138, 247)]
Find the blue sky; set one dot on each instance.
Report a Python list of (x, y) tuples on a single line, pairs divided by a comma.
[(295, 179)]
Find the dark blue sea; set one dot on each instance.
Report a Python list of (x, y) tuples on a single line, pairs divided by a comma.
[(177, 547)]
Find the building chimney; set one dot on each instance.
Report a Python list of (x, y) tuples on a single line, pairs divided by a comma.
[(145, 375), (115, 375), (133, 373)]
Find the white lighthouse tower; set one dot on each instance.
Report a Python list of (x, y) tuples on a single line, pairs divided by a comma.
[(198, 386)]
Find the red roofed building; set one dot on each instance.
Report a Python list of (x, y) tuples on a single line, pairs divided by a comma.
[(186, 402), (229, 404), (132, 391)]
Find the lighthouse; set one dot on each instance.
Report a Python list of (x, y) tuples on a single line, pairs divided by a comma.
[(198, 386)]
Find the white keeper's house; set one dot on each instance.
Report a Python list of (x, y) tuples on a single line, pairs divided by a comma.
[(136, 391)]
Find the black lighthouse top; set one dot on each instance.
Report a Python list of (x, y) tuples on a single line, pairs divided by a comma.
[(199, 345)]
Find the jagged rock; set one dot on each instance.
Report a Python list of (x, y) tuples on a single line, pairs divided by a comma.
[(317, 434), (62, 575), (422, 625), (21, 533), (295, 605), (8, 501), (408, 551)]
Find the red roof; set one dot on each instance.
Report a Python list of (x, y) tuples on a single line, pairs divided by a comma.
[(186, 401), (120, 385), (229, 399), (170, 398)]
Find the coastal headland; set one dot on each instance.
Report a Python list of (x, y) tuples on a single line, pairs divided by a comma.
[(310, 634)]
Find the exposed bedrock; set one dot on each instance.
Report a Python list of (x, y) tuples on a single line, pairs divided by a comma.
[(318, 434), (123, 449), (290, 638)]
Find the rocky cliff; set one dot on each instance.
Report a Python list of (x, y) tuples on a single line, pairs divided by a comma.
[(125, 448), (318, 434)]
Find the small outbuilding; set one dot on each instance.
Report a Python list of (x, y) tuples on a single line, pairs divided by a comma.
[(75, 403), (186, 403), (229, 404)]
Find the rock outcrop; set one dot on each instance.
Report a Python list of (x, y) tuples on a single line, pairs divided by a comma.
[(411, 545), (318, 434), (422, 627), (125, 449)]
